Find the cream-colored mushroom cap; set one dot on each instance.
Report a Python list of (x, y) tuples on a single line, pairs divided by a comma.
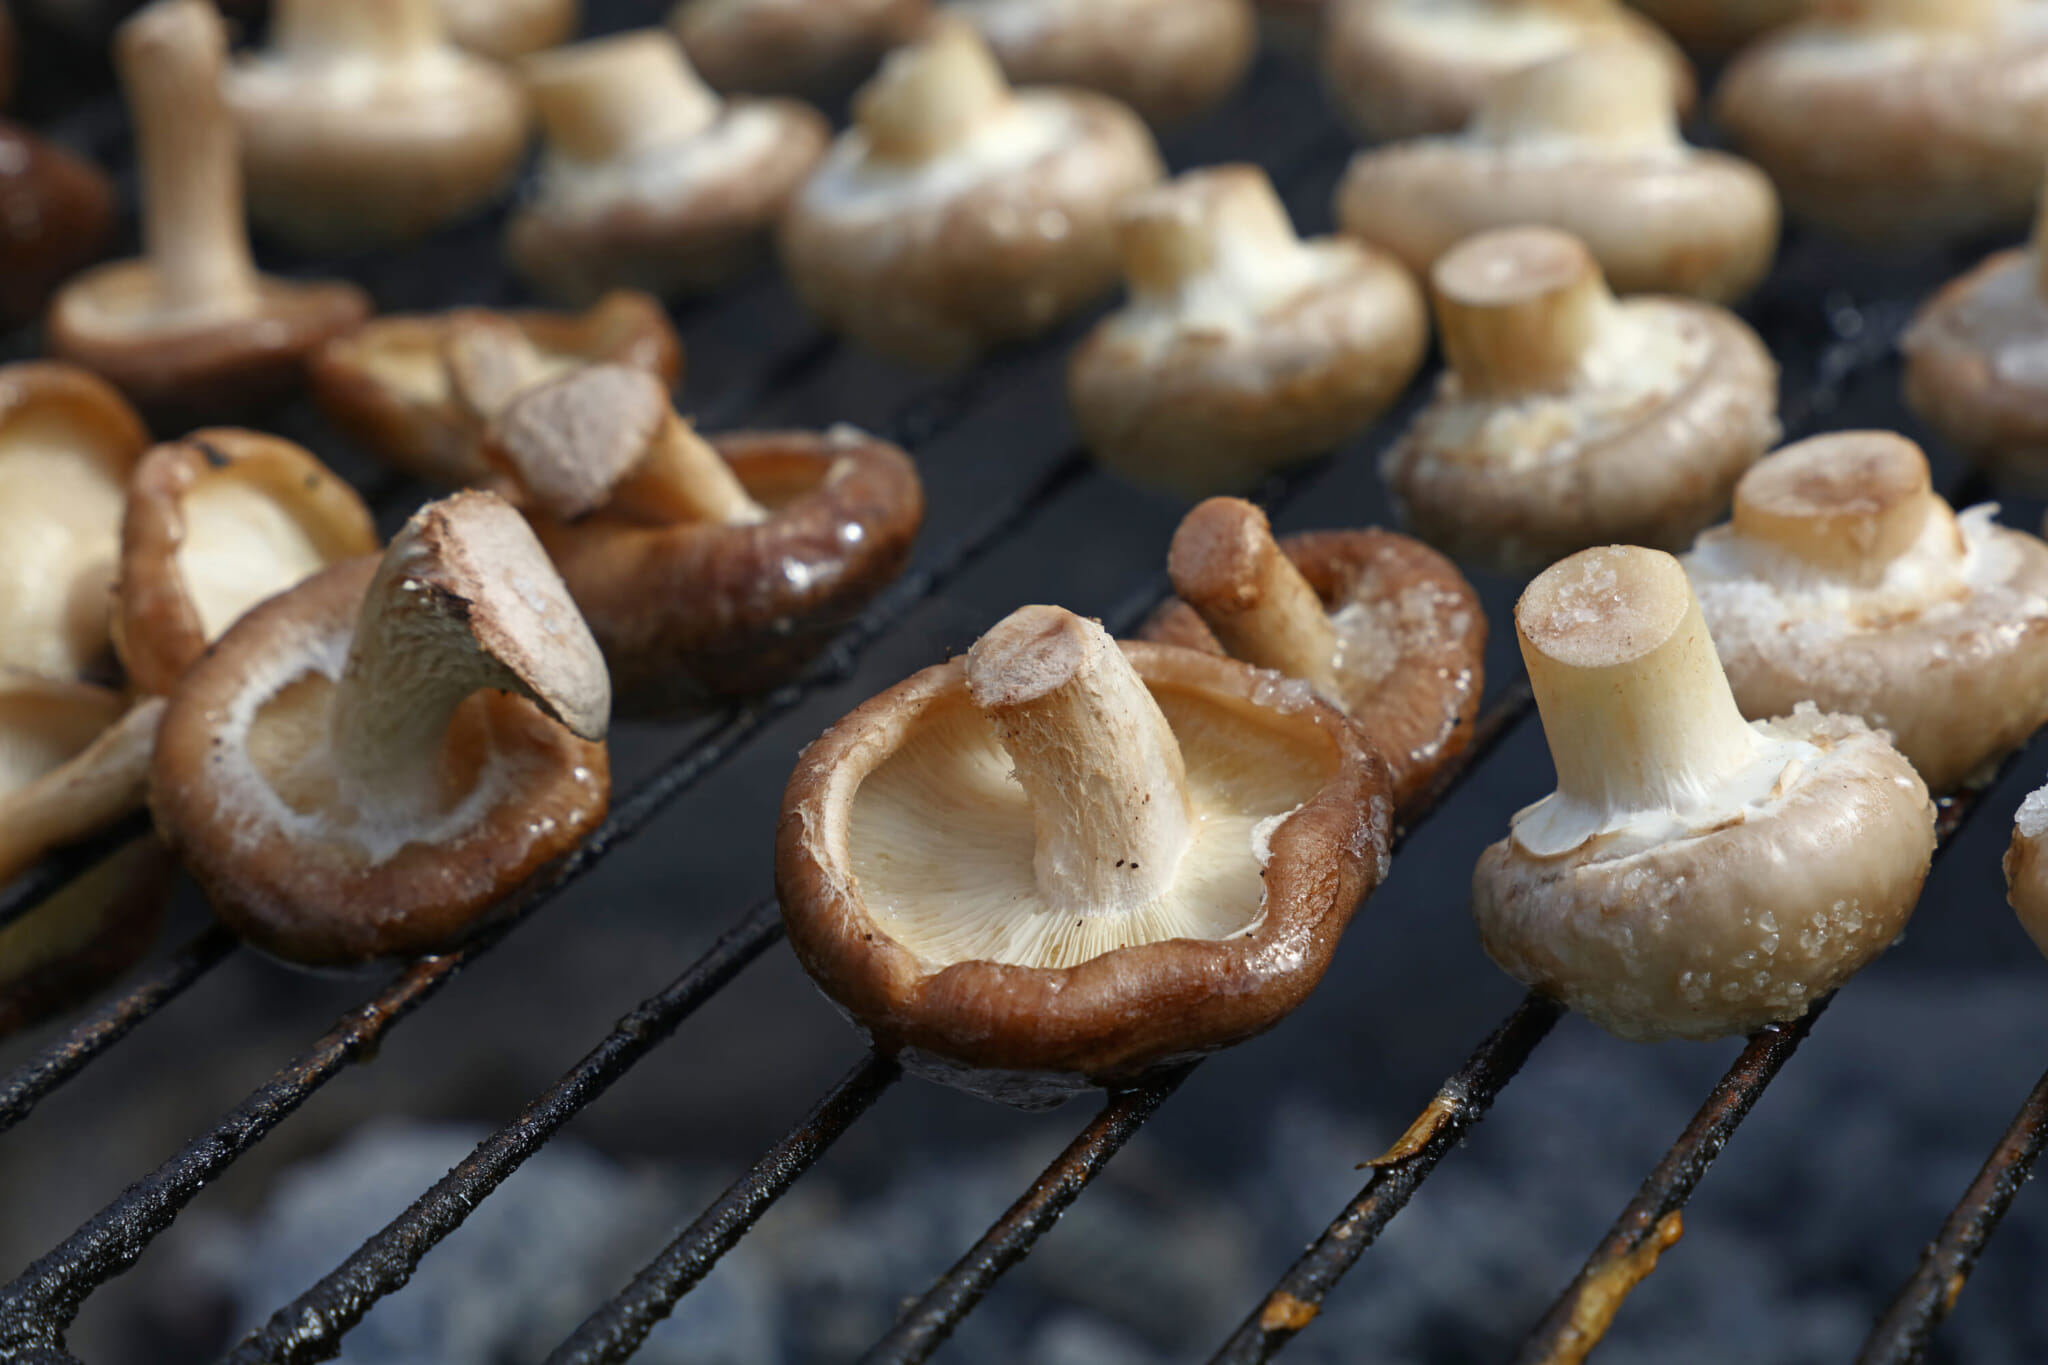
[(793, 47), (957, 213), (1586, 142), (505, 29), (1243, 348), (1567, 418), (1720, 26), (1694, 874), (1845, 580), (2026, 867)]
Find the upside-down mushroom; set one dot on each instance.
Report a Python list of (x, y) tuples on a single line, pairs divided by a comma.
[(704, 569), (1383, 627), (1694, 874), (1568, 418), (360, 124), (56, 213), (419, 390), (191, 328), (1243, 348), (215, 523), (1845, 580), (364, 765), (1167, 59), (793, 47), (957, 213), (504, 29), (1898, 122), (1405, 68), (1715, 27), (1058, 861), (651, 181), (1585, 142)]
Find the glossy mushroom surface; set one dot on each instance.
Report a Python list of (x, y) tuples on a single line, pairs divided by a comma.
[(1586, 142), (1694, 875), (1167, 59), (793, 47), (361, 767), (504, 29), (214, 524), (1405, 68), (1898, 122), (419, 390), (56, 214), (1382, 626), (1567, 418), (956, 213), (1242, 348), (650, 180), (705, 569), (191, 328), (1845, 580), (1058, 861), (2026, 867)]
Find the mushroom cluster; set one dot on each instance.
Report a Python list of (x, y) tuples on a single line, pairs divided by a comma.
[(1586, 142), (1845, 580), (56, 213), (1060, 861), (1567, 418), (1694, 874), (650, 180), (1242, 348), (957, 213), (1385, 629), (795, 47)]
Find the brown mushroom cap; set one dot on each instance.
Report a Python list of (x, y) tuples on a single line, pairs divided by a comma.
[(1242, 349), (361, 125), (1167, 59), (67, 445), (1846, 581), (1401, 640), (650, 181), (1585, 142), (958, 214), (2026, 867), (1715, 27), (395, 383), (906, 813), (1568, 419), (56, 213), (504, 29), (1694, 875), (1898, 121), (792, 47), (1974, 366), (1404, 68), (214, 524)]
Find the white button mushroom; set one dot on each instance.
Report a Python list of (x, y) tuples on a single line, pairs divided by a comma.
[(1694, 874), (793, 47), (505, 29)]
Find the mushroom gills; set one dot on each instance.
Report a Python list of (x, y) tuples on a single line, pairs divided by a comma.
[(240, 546), (60, 517)]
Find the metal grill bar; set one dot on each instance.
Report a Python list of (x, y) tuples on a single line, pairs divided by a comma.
[(1927, 1298)]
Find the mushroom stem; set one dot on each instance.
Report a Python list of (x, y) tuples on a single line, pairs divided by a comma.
[(463, 600), (170, 56), (931, 96), (684, 479), (1094, 754), (613, 98), (1517, 310), (1224, 563), (1613, 92), (384, 30), (1221, 219), (1847, 503)]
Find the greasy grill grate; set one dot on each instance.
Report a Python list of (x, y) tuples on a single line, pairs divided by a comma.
[(37, 1308)]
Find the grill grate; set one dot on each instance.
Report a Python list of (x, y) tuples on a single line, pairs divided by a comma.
[(37, 1308)]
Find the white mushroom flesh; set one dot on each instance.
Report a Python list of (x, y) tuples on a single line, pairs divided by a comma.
[(1607, 97), (60, 533)]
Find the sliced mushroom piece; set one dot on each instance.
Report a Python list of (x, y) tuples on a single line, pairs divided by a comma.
[(1405, 68), (956, 213), (216, 523), (705, 570), (1057, 861), (2026, 867), (191, 328), (1567, 418), (1383, 627), (56, 214), (793, 47), (504, 29), (420, 389), (1717, 27), (1585, 142), (1694, 875), (1167, 59), (67, 446), (360, 124), (1845, 580), (364, 765), (651, 181), (1243, 348), (1898, 122)]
